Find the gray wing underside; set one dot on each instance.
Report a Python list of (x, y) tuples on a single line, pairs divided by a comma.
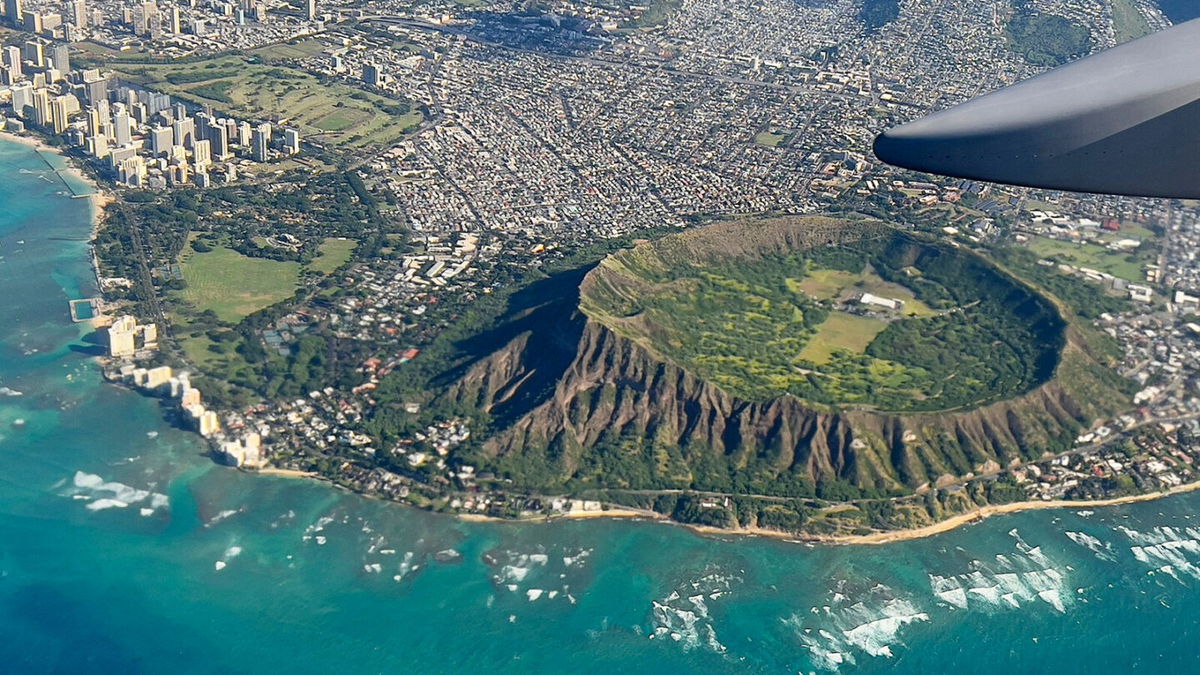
[(1123, 121)]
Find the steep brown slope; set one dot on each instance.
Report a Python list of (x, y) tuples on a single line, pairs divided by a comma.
[(567, 385)]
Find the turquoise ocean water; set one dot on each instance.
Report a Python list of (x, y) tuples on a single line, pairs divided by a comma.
[(206, 569)]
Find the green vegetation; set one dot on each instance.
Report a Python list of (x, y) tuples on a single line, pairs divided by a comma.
[(771, 139), (830, 284), (1045, 39), (657, 12), (215, 91), (876, 14), (234, 286), (968, 335), (1128, 21), (340, 120), (1126, 265), (324, 110), (289, 51), (332, 254), (1085, 299), (841, 332), (985, 334)]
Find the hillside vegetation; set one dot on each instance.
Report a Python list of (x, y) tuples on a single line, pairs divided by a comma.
[(613, 398), (790, 322), (1046, 39)]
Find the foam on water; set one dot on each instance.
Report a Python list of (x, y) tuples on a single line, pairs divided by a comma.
[(102, 495), (683, 616), (1170, 550), (867, 622), (1102, 550), (1006, 583)]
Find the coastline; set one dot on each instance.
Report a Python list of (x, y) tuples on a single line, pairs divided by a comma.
[(99, 197), (873, 539), (951, 523)]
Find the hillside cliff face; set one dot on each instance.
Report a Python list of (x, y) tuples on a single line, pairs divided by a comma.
[(581, 401), (614, 389)]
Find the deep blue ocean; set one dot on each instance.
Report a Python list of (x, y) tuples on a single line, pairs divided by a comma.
[(124, 549)]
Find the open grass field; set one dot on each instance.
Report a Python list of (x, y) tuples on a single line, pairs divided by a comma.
[(823, 284), (841, 331), (327, 112), (335, 252), (233, 285), (285, 51), (770, 139), (1091, 256), (196, 350), (827, 284), (1128, 22)]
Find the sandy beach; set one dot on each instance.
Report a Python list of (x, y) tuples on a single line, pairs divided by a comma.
[(874, 538), (948, 524), (286, 473), (613, 513)]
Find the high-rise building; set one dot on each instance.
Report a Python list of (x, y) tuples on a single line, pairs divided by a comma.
[(60, 113), (22, 99), (41, 107), (118, 155), (156, 102), (244, 130), (121, 336), (312, 10), (35, 51), (291, 141), (174, 25), (139, 113), (94, 124), (32, 22), (260, 141), (185, 131), (132, 171), (79, 13), (203, 124), (219, 137), (178, 174), (371, 74), (144, 16), (202, 154), (208, 424), (122, 125), (60, 58), (95, 87), (97, 146), (161, 140), (13, 13), (12, 60)]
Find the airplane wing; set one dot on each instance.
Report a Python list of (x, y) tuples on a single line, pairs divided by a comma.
[(1122, 121)]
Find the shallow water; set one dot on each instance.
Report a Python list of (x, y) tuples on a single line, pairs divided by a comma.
[(123, 548)]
